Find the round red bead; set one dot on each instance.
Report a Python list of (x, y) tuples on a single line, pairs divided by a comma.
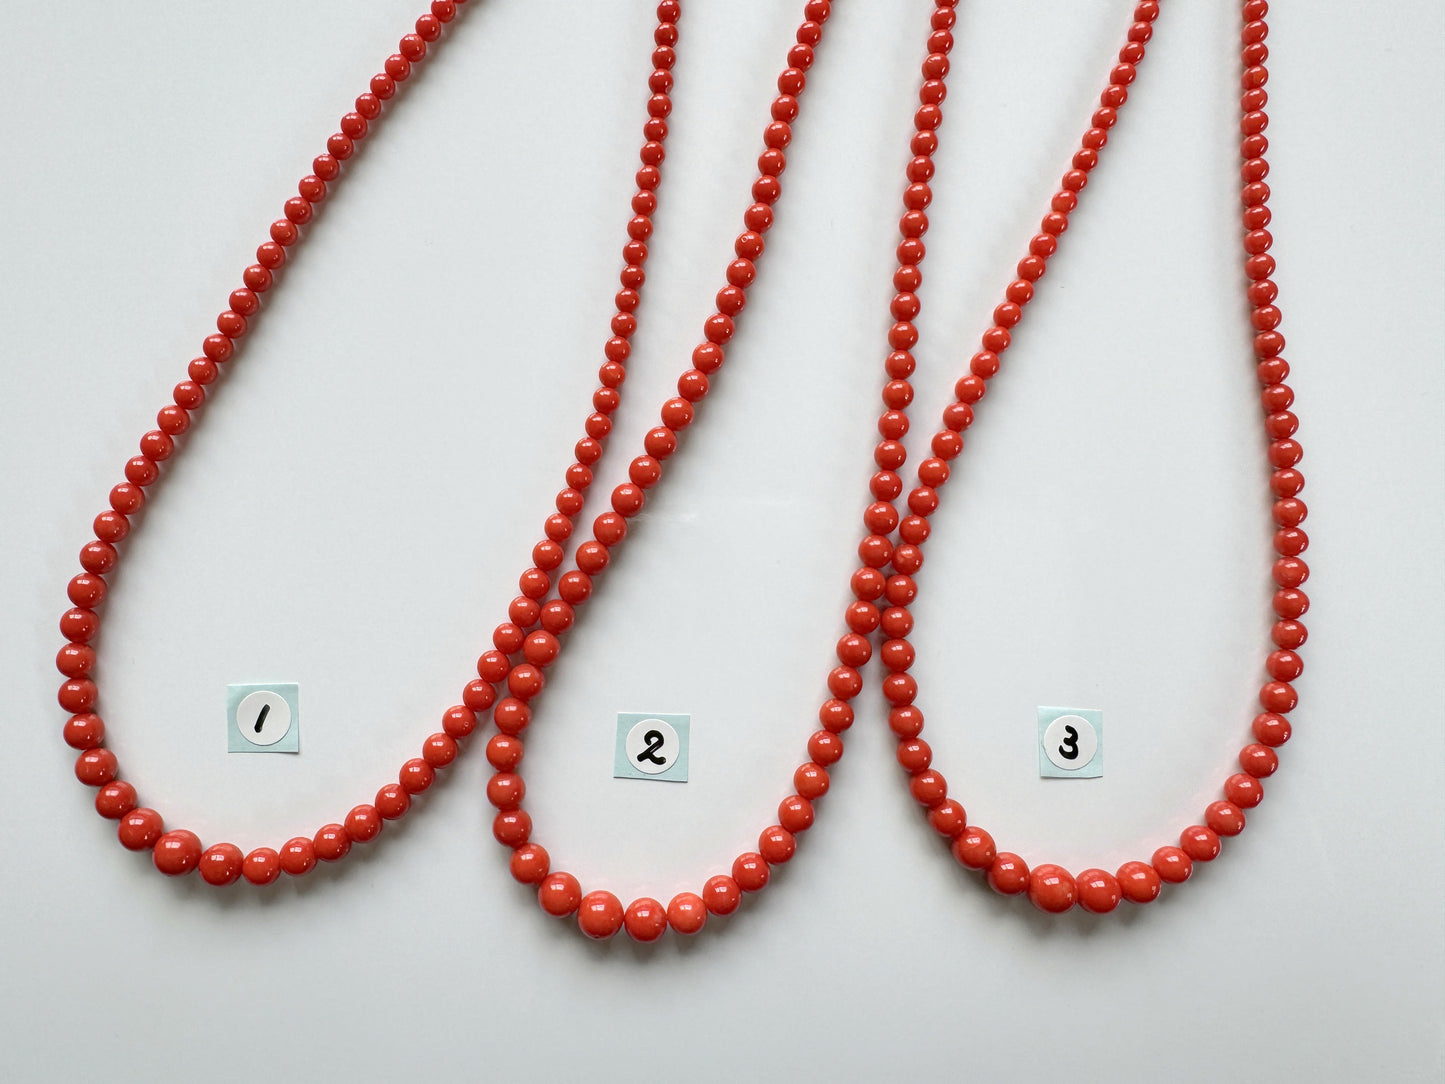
[(776, 844), (85, 731), (392, 801), (974, 848), (1138, 882), (1172, 865), (96, 767), (221, 863), (795, 813), (1099, 892), (177, 852), (115, 800), (721, 895), (139, 829), (261, 866), (1052, 889), (416, 775), (687, 914), (1243, 790), (1225, 818), (363, 823), (331, 843), (948, 818), (559, 894), (751, 871), (1258, 760), (529, 864), (1008, 874), (512, 828), (645, 920), (599, 915), (1199, 843), (298, 856)]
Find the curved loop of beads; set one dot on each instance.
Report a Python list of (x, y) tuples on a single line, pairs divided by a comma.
[(1050, 887), (178, 851), (600, 914)]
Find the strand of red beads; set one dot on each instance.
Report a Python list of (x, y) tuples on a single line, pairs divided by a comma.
[(178, 851), (600, 914), (1051, 887)]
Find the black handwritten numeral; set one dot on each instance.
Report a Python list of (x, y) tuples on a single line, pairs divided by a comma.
[(1070, 749), (261, 718), (655, 741)]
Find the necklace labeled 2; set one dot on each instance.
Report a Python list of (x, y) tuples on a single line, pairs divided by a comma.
[(511, 675)]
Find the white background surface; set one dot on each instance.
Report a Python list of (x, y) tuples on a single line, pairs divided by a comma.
[(353, 511)]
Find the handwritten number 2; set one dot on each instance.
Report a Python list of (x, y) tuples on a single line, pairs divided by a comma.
[(655, 741)]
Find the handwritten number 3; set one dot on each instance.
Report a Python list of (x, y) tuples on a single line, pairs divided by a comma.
[(1070, 749)]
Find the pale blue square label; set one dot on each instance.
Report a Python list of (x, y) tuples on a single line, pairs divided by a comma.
[(1071, 743), (651, 746), (263, 718)]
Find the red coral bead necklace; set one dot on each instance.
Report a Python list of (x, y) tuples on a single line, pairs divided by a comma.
[(893, 550), (512, 674)]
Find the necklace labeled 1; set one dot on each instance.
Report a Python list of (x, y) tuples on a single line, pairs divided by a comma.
[(511, 675)]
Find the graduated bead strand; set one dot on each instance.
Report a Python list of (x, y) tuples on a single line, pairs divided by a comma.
[(600, 913), (1051, 887), (179, 851)]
